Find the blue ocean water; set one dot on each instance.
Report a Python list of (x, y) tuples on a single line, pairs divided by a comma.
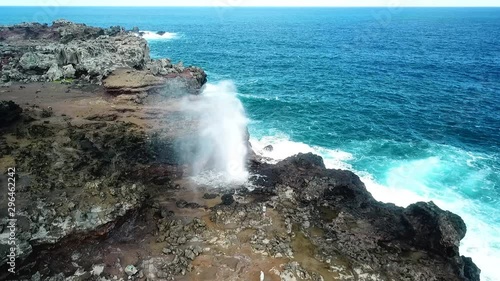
[(407, 98)]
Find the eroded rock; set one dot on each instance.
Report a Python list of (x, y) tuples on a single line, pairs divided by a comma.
[(32, 52)]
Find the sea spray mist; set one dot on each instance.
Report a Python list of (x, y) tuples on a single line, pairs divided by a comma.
[(219, 147)]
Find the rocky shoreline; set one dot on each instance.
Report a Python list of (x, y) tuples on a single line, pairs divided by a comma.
[(92, 123), (113, 57)]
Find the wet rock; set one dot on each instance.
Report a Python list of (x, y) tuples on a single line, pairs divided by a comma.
[(471, 271), (268, 148), (436, 230), (34, 52), (227, 199)]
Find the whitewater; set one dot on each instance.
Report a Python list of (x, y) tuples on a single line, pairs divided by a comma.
[(410, 106), (220, 140), (412, 181)]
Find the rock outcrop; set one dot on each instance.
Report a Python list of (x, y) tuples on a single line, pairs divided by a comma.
[(374, 241), (32, 52), (98, 189)]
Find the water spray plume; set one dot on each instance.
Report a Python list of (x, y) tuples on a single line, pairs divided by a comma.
[(221, 145)]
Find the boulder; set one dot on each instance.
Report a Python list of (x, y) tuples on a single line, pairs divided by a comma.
[(38, 62), (54, 73), (268, 148)]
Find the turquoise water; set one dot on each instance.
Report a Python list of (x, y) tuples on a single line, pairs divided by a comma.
[(407, 98)]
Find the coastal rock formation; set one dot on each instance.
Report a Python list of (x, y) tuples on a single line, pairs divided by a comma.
[(374, 241), (171, 79), (102, 192), (32, 52), (111, 184), (77, 178)]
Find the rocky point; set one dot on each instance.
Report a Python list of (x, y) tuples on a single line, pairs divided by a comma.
[(92, 125)]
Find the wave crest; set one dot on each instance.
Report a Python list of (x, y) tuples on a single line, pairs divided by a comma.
[(158, 35)]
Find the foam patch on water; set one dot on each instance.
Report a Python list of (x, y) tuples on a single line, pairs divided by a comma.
[(283, 147), (152, 35), (250, 96), (445, 178), (217, 179)]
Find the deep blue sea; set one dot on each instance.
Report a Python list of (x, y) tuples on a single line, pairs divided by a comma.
[(407, 98)]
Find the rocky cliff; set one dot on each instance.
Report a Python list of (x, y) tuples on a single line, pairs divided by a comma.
[(102, 193), (32, 52)]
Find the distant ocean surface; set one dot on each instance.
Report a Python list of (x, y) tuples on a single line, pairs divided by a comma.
[(409, 99)]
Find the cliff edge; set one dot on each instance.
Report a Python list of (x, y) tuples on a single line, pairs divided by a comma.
[(91, 124)]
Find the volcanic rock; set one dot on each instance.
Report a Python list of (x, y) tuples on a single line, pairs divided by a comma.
[(379, 241), (34, 52)]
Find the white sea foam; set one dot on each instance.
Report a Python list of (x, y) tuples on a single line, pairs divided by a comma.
[(220, 147), (407, 182), (152, 35)]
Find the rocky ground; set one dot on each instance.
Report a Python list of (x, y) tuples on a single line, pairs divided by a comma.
[(64, 51), (103, 194)]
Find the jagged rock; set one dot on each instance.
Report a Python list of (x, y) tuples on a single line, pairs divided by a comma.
[(160, 67), (379, 241), (88, 175), (268, 148), (9, 112), (209, 196), (81, 193), (438, 230), (471, 270), (227, 199), (35, 52), (68, 71), (37, 62), (54, 73)]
